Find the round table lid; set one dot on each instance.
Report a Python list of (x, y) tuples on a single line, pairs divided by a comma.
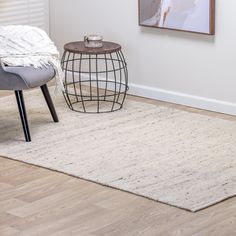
[(79, 47)]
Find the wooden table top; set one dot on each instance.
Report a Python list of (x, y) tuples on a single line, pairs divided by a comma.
[(79, 47)]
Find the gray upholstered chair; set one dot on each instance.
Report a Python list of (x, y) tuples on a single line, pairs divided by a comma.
[(21, 78)]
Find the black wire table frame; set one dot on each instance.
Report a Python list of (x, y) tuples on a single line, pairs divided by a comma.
[(96, 80)]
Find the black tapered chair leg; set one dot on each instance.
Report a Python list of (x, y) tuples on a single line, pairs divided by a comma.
[(48, 99), (23, 115)]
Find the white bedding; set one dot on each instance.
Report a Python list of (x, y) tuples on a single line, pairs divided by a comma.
[(29, 46)]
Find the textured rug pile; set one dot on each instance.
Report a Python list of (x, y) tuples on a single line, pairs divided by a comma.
[(176, 157)]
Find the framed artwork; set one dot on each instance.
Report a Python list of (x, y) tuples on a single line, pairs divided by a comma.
[(196, 16)]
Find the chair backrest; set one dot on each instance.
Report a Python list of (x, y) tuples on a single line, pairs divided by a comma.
[(10, 81)]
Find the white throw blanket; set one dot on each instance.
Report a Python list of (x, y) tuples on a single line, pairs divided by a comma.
[(29, 46)]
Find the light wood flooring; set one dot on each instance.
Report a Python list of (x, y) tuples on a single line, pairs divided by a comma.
[(37, 201)]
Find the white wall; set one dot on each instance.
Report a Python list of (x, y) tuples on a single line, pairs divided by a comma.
[(184, 68)]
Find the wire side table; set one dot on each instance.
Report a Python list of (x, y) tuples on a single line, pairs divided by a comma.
[(96, 79)]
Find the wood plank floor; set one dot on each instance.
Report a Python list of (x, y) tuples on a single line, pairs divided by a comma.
[(37, 201)]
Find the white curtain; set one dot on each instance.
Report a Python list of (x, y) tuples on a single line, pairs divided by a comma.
[(25, 12)]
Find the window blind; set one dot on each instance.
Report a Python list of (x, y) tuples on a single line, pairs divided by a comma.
[(25, 12)]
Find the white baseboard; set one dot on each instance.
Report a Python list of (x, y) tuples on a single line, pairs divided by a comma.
[(178, 98), (183, 99)]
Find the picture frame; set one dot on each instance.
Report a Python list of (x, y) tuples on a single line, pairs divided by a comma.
[(194, 16)]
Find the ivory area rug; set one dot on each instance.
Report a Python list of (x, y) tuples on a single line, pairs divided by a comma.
[(176, 157)]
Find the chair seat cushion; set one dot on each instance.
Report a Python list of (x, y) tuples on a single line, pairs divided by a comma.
[(20, 78)]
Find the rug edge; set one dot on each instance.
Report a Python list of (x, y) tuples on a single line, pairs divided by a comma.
[(191, 210)]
